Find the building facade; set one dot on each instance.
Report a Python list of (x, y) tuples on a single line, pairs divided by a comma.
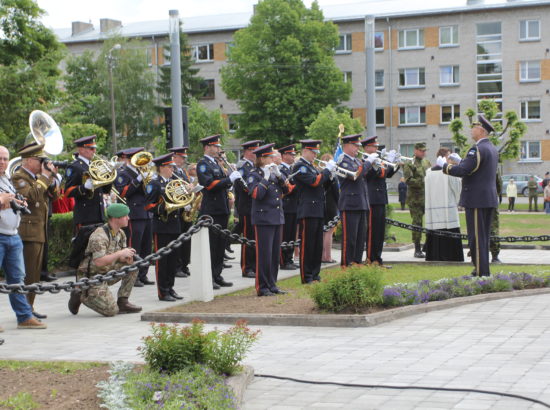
[(431, 66)]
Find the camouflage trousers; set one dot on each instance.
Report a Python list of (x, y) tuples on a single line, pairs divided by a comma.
[(417, 214), (494, 246), (100, 299)]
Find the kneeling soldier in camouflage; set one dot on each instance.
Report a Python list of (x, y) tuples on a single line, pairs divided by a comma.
[(107, 250)]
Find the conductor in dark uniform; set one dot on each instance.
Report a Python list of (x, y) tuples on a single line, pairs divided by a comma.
[(378, 199), (166, 227), (267, 185), (354, 200), (311, 209), (129, 183), (243, 203), (478, 171), (88, 208), (180, 158), (215, 202), (290, 206)]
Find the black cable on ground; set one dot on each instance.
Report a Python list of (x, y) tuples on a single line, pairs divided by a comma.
[(389, 386)]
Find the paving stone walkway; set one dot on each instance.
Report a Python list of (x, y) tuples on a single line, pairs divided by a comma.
[(500, 345)]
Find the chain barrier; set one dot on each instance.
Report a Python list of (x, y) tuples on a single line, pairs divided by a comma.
[(236, 238), (204, 221), (454, 235)]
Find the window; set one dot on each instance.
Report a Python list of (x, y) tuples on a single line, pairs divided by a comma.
[(379, 41), (489, 62), (529, 71), (411, 39), (228, 47), (166, 56), (412, 115), (345, 44), (448, 36), (451, 146), (379, 79), (149, 56), (208, 90), (529, 30), (233, 122), (530, 150), (406, 150), (347, 76), (203, 52), (449, 75), (412, 78), (380, 117), (530, 110), (449, 113)]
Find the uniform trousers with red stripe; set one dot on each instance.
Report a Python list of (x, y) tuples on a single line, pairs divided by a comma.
[(140, 237), (217, 246), (268, 247), (166, 266), (376, 230), (311, 248), (248, 254), (354, 224), (289, 234)]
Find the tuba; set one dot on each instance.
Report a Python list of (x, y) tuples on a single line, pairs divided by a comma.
[(44, 130)]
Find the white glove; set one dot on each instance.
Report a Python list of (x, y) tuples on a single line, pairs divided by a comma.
[(187, 208), (89, 184), (397, 158), (140, 178), (455, 157), (330, 165), (371, 158), (390, 156), (275, 169), (267, 173), (440, 161), (234, 176)]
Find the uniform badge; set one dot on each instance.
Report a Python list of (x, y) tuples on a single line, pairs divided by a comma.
[(344, 164), (250, 179), (149, 188), (202, 168), (120, 180), (69, 172), (22, 184), (472, 152), (303, 169)]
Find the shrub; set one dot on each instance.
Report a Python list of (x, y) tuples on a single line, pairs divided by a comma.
[(354, 288), (171, 349), (59, 240)]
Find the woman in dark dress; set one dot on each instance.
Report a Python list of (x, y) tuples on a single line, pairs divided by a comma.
[(267, 185), (402, 188)]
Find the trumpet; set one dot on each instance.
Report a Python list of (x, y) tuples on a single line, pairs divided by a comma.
[(339, 171), (383, 153), (382, 161)]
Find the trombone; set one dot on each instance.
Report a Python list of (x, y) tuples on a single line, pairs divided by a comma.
[(339, 171)]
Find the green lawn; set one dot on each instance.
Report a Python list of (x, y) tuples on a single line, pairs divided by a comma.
[(510, 225)]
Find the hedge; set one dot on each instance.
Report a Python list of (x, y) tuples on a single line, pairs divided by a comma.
[(59, 241)]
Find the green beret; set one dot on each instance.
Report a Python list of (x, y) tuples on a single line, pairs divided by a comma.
[(117, 211), (420, 145)]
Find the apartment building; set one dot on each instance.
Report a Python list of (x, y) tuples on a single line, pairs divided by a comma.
[(431, 65)]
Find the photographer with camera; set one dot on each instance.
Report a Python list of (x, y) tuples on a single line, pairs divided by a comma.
[(11, 247), (35, 180)]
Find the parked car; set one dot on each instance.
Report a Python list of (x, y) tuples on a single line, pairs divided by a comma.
[(521, 182)]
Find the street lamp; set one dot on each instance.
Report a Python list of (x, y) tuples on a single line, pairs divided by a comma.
[(110, 64)]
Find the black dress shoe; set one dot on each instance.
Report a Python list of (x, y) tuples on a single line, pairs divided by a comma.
[(138, 284), (496, 260), (186, 271), (167, 298), (223, 283), (249, 274), (48, 277), (175, 295), (227, 257), (419, 254), (266, 293), (215, 286), (226, 265), (279, 291), (288, 266), (228, 249), (146, 281), (39, 315), (180, 274)]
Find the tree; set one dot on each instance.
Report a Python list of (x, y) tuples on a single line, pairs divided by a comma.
[(88, 92), (325, 127), (281, 70), (191, 84), (506, 138), (202, 123), (29, 57)]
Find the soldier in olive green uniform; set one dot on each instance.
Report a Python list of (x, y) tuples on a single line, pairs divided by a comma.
[(494, 246), (414, 173), (107, 250), (533, 196)]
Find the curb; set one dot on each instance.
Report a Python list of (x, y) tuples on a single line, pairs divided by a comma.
[(240, 382), (332, 320)]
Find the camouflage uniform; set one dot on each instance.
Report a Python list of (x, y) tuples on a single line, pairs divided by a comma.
[(414, 173), (99, 298), (533, 195), (494, 246)]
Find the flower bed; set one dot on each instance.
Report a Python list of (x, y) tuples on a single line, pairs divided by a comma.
[(402, 294)]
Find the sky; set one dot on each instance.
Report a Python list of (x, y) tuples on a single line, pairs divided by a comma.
[(60, 13)]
